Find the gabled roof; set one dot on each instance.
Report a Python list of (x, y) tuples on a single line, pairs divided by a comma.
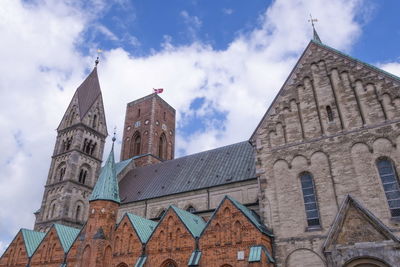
[(32, 240), (120, 166), (106, 187), (193, 223), (251, 215), (224, 165), (316, 41), (67, 235), (143, 227), (348, 202), (88, 92)]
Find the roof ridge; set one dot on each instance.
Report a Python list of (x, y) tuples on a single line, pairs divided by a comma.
[(138, 222), (358, 60), (197, 153), (185, 216)]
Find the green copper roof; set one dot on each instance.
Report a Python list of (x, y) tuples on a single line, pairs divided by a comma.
[(32, 240), (195, 258), (143, 227), (106, 187), (67, 235), (254, 218), (256, 252), (141, 261), (120, 166), (193, 223)]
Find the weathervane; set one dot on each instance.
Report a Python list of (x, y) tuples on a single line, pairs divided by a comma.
[(315, 37), (115, 133), (312, 21)]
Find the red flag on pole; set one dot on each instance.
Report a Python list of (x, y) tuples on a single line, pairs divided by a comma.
[(158, 91)]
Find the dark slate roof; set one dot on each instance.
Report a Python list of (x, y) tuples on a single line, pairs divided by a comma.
[(88, 92), (219, 166)]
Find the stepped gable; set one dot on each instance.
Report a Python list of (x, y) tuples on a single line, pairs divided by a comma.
[(229, 164), (88, 92)]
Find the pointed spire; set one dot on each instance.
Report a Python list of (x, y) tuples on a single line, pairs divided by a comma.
[(88, 92), (107, 185), (315, 34)]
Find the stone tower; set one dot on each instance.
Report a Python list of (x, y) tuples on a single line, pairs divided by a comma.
[(149, 131), (76, 159)]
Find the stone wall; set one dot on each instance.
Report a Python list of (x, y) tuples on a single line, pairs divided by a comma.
[(333, 118)]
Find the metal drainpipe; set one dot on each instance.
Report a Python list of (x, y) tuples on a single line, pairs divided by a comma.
[(208, 199)]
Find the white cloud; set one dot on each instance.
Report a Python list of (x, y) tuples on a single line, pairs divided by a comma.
[(193, 23), (39, 54), (392, 67), (228, 11)]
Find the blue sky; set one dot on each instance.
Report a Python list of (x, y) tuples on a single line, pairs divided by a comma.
[(220, 62)]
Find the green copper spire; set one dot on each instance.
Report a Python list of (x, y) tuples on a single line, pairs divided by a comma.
[(107, 186)]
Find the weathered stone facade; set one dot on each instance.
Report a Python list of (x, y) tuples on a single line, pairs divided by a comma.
[(76, 160), (333, 118)]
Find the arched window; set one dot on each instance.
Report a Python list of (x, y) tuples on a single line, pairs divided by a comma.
[(82, 175), (191, 209), (310, 200), (71, 118), (165, 116), (135, 145), (169, 263), (237, 230), (78, 213), (162, 147), (86, 256), (390, 182), (108, 257), (62, 172), (53, 209), (329, 113), (94, 122), (138, 113)]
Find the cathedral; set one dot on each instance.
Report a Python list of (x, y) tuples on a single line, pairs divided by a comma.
[(316, 184)]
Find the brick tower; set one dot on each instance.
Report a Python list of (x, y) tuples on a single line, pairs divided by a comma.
[(76, 159), (96, 246), (149, 131)]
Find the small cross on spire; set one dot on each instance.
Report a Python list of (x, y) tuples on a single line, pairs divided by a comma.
[(315, 37)]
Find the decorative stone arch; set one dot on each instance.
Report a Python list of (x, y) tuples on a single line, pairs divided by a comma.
[(52, 209), (86, 256), (366, 261), (85, 174), (79, 211), (169, 263), (298, 255), (122, 264), (60, 172)]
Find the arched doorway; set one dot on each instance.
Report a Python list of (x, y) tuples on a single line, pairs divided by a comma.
[(226, 265), (122, 265), (169, 263), (366, 262)]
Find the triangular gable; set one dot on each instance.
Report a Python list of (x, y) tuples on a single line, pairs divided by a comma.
[(32, 240), (354, 224), (299, 67), (249, 214), (193, 223), (143, 227), (66, 235)]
